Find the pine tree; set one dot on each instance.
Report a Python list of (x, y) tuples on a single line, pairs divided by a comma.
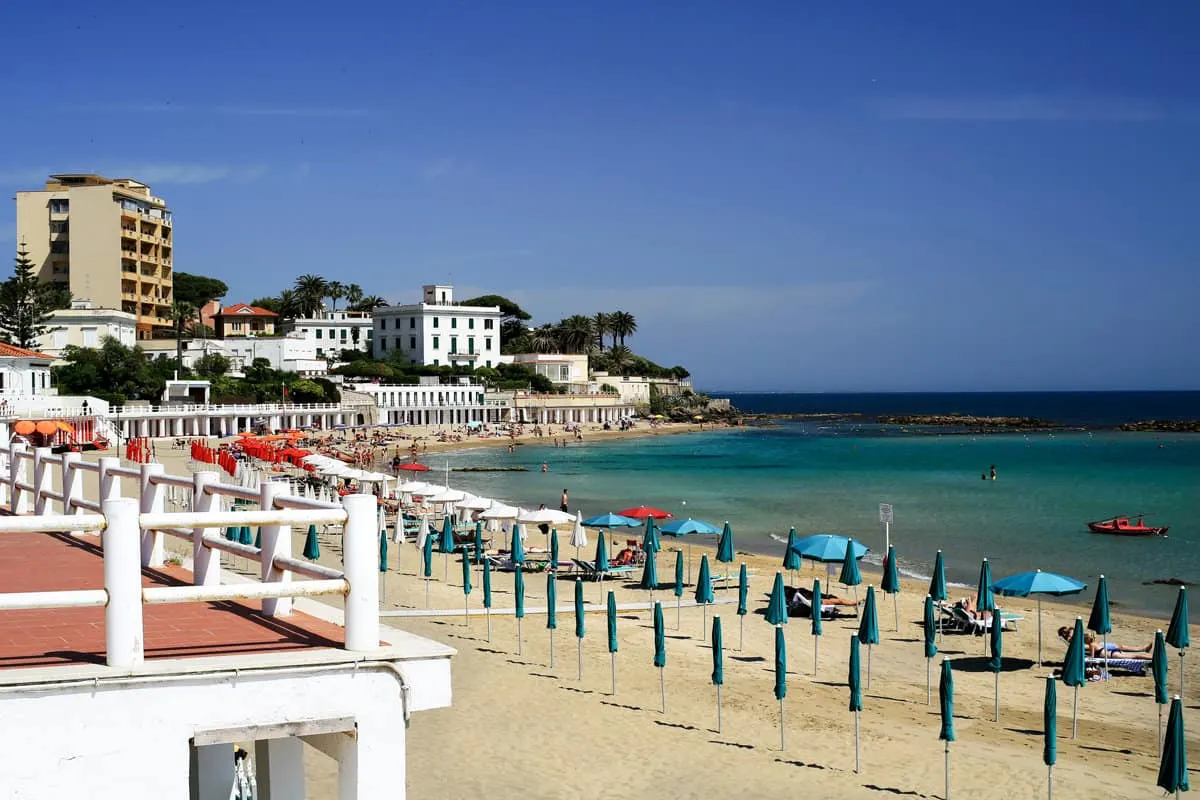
[(25, 302)]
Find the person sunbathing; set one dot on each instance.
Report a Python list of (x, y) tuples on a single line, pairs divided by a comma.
[(826, 599), (1098, 649), (968, 605)]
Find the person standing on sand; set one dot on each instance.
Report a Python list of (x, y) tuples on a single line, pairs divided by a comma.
[(563, 506)]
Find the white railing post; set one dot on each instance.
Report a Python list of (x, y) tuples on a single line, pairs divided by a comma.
[(151, 503), (72, 485), (43, 480), (123, 635), (206, 562), (276, 541), (18, 472), (110, 485), (360, 563), (5, 460)]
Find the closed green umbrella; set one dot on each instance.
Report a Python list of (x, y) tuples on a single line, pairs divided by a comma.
[(1173, 769), (579, 624), (1073, 673), (446, 546), (930, 631), (946, 701), (650, 573), (258, 537), (937, 586), (660, 652), (791, 556), (854, 684), (742, 609), (996, 661), (850, 575), (312, 547), (517, 550), (650, 542), (704, 593), (519, 596), (383, 548), (777, 606), (478, 542), (551, 611), (233, 533), (554, 549), (1050, 733), (1177, 631), (244, 535), (677, 589), (781, 681), (891, 581), (725, 545), (1158, 667), (487, 595), (612, 637), (718, 672), (868, 628), (1099, 621), (466, 578), (427, 565), (984, 599), (601, 565), (816, 620)]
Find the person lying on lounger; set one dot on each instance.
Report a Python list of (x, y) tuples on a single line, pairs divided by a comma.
[(826, 599), (1096, 649), (968, 605)]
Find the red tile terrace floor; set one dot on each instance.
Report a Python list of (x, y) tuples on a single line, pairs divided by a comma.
[(32, 562)]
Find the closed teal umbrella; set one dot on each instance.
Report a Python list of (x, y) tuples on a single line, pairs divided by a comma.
[(551, 611), (854, 684), (487, 595), (1050, 733), (1177, 631), (777, 606), (650, 573), (850, 575), (677, 589), (660, 652), (1073, 673), (704, 593), (817, 601), (791, 556), (233, 533), (743, 597), (725, 545), (984, 600), (244, 535), (579, 624), (781, 681), (427, 559), (946, 701), (929, 628), (466, 578), (1158, 668), (312, 547), (445, 546), (519, 597), (258, 537), (891, 581), (996, 661), (650, 541), (718, 671), (1173, 769), (554, 549), (601, 564), (612, 637), (937, 586), (478, 542), (868, 628), (383, 548), (517, 550)]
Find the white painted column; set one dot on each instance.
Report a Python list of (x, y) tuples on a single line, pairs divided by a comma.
[(360, 561), (72, 485), (152, 497), (206, 562), (18, 472), (110, 485), (212, 772), (279, 769), (42, 479), (276, 541), (123, 634)]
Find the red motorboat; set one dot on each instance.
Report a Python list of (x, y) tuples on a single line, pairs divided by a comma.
[(1121, 526)]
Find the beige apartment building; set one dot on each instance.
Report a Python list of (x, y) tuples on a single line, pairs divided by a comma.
[(109, 239)]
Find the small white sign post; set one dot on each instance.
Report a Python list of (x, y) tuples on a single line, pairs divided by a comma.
[(885, 516)]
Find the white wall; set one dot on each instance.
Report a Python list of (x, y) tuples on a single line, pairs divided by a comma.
[(333, 332), (86, 327), (21, 376), (426, 334)]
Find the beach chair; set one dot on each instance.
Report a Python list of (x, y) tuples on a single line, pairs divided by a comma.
[(589, 572), (801, 606), (1136, 666)]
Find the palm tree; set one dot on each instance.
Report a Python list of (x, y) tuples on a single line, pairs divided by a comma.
[(335, 291), (603, 325), (369, 303), (576, 334), (182, 313), (354, 294), (620, 359), (310, 291), (543, 339), (622, 324), (289, 304)]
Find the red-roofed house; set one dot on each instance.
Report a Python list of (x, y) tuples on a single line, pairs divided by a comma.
[(243, 320), (23, 372)]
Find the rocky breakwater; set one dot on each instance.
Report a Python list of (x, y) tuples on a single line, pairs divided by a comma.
[(971, 424), (1164, 426)]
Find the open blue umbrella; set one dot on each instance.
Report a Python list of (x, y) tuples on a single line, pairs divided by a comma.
[(1073, 673), (891, 581), (689, 527), (554, 550), (1177, 631), (816, 620), (487, 595), (791, 557), (828, 548), (704, 593), (984, 601), (725, 545), (946, 702), (929, 626), (1050, 732), (850, 576), (312, 547), (650, 572), (517, 549), (551, 611), (781, 681), (610, 521), (996, 662), (1158, 668), (854, 684), (519, 598), (579, 624), (611, 619), (742, 607), (718, 671), (868, 628), (1173, 769), (466, 577), (777, 605), (1038, 583), (660, 653), (678, 587)]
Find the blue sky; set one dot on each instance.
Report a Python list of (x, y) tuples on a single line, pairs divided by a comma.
[(788, 196)]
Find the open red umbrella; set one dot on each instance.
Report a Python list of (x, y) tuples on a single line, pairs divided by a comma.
[(414, 467), (641, 512)]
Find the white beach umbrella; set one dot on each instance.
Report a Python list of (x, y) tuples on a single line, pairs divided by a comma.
[(578, 534), (314, 458), (418, 487), (447, 495), (474, 503), (423, 532), (547, 516), (499, 511)]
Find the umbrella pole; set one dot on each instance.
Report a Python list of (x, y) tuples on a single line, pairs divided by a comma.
[(1039, 660), (947, 771), (1075, 715), (613, 658), (382, 589), (997, 711), (489, 620), (718, 708), (427, 593), (782, 738), (662, 685), (601, 583), (689, 549), (704, 622), (552, 648), (579, 647), (518, 636), (928, 690), (741, 632), (868, 667), (816, 646), (446, 567), (466, 610), (678, 604), (896, 607), (1106, 656), (1159, 740), (1181, 673), (939, 626), (1050, 782), (856, 760)]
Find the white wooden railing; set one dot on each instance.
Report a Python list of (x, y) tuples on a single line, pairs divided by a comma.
[(132, 530)]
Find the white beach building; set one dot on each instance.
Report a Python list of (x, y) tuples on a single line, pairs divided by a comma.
[(331, 332), (83, 325), (432, 402), (439, 332)]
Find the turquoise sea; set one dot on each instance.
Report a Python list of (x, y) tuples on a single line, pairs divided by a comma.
[(831, 478)]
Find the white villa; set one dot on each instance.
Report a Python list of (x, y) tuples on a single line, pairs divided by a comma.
[(433, 403), (83, 325), (331, 332), (438, 332), (24, 373)]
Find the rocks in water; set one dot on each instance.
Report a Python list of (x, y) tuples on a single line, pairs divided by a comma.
[(965, 421), (1166, 582), (1164, 425), (489, 469)]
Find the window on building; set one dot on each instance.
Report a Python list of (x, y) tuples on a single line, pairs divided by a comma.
[(487, 324), (383, 324), (454, 322), (435, 343), (60, 247), (320, 353), (564, 372), (343, 336), (382, 343), (487, 343), (396, 343), (435, 362), (471, 323), (332, 333), (453, 344), (412, 323), (318, 333), (59, 206), (412, 343), (489, 363), (471, 344), (435, 322)]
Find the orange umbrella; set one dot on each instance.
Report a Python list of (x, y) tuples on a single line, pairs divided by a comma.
[(47, 427), (65, 426), (24, 427)]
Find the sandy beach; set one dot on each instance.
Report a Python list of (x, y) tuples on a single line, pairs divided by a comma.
[(520, 728)]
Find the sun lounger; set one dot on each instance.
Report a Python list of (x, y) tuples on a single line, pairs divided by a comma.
[(802, 606), (1135, 665), (588, 570)]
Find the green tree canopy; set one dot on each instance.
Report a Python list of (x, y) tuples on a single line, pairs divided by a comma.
[(25, 302), (198, 289), (112, 372), (508, 308)]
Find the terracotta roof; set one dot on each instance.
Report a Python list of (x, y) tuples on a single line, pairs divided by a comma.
[(12, 351), (243, 310)]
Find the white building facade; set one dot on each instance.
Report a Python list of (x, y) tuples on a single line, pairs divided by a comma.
[(83, 325), (24, 373), (437, 332), (290, 353), (331, 332), (434, 403), (563, 369)]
